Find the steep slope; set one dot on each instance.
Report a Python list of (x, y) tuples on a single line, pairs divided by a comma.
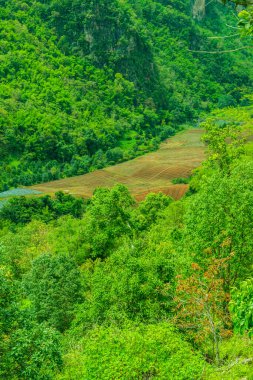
[(108, 33), (84, 85)]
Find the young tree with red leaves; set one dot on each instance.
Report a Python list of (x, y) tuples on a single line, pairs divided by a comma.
[(201, 305)]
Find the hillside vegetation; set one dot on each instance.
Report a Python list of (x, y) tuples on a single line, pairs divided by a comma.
[(110, 287), (87, 85)]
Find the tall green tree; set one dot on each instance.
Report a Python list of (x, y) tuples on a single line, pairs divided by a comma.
[(132, 283), (225, 144), (107, 220), (219, 221), (54, 288), (28, 350)]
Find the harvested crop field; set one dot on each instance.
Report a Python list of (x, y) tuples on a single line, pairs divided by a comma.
[(153, 172)]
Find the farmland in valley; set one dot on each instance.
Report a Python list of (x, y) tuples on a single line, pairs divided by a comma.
[(153, 172)]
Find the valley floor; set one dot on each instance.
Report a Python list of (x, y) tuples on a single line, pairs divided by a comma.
[(153, 172)]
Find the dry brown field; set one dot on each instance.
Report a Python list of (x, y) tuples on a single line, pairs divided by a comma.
[(152, 172)]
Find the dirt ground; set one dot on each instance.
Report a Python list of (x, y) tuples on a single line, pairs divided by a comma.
[(153, 172)]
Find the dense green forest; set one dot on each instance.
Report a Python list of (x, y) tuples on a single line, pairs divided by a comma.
[(107, 288), (111, 289), (88, 84)]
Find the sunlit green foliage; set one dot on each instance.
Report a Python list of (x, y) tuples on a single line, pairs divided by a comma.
[(135, 352), (150, 210), (132, 284), (23, 210), (35, 352), (219, 221), (242, 307), (28, 350), (236, 358), (225, 144), (130, 278), (53, 286)]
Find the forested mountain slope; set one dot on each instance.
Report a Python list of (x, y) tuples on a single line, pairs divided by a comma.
[(108, 288), (87, 84)]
